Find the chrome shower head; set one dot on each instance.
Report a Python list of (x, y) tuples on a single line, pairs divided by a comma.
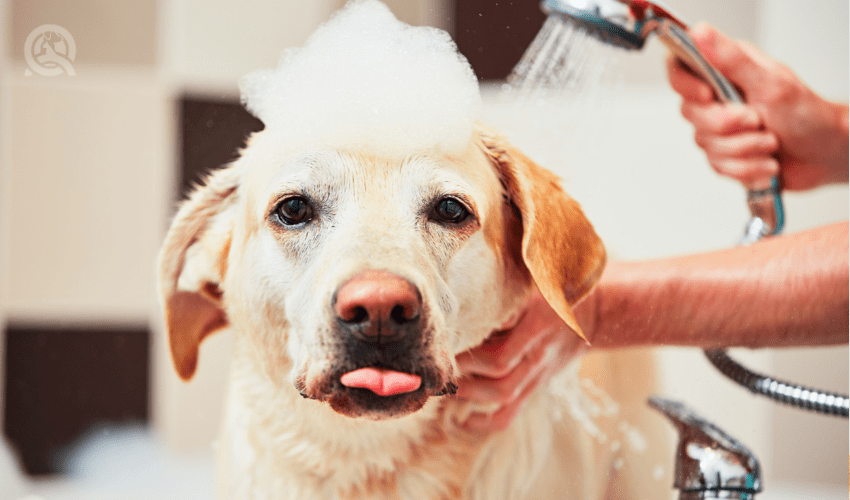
[(610, 20), (628, 23), (624, 23)]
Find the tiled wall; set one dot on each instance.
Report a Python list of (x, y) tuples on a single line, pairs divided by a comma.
[(86, 182)]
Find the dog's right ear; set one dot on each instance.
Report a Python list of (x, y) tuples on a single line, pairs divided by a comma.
[(192, 265)]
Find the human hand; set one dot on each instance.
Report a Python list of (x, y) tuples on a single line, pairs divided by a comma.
[(783, 129), (511, 363)]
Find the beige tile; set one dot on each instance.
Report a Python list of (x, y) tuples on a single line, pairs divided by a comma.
[(87, 173), (105, 31), (218, 42), (214, 43)]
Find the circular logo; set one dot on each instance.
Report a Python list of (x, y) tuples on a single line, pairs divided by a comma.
[(50, 50)]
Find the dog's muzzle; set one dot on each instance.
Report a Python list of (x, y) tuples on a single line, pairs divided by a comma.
[(384, 365)]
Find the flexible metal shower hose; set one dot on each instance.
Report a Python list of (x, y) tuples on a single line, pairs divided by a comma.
[(792, 394)]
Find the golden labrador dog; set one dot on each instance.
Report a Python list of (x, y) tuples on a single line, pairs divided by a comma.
[(371, 233), (350, 282)]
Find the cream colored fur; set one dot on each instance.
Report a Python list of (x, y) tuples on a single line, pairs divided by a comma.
[(225, 262)]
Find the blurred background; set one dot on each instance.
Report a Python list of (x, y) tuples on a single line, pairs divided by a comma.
[(92, 165)]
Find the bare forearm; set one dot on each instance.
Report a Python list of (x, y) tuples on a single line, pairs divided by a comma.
[(785, 291), (839, 172)]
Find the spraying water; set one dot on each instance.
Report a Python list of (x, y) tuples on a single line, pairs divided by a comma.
[(563, 58), (559, 97)]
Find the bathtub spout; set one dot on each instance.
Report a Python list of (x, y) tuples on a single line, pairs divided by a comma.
[(709, 462)]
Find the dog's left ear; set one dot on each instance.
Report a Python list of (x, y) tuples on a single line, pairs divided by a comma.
[(562, 252)]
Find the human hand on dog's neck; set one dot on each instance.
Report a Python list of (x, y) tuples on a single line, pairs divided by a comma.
[(506, 368), (784, 291)]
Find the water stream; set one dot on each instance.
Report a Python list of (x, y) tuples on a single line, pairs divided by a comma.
[(564, 58)]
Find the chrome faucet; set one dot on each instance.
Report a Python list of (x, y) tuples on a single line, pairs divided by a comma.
[(709, 462)]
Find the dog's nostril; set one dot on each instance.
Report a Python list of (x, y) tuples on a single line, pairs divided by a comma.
[(359, 315), (399, 315)]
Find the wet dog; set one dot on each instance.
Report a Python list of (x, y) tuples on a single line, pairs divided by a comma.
[(367, 236), (350, 282)]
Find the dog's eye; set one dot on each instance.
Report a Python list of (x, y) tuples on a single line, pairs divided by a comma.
[(450, 210), (295, 210)]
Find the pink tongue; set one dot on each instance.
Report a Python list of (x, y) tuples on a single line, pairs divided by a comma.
[(382, 382)]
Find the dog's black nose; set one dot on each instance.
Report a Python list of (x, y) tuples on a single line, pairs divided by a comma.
[(377, 307)]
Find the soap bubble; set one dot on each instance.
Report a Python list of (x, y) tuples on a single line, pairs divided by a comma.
[(366, 81)]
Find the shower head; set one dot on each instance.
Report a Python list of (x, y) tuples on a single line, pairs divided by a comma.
[(609, 20), (624, 23), (628, 23)]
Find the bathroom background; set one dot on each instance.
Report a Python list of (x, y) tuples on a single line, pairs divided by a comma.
[(91, 166)]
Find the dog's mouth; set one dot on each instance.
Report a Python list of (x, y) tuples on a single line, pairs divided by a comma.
[(379, 392), (383, 365)]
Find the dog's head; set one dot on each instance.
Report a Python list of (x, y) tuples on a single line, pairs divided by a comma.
[(356, 279)]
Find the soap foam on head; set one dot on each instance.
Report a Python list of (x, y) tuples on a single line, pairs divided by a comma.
[(366, 81)]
